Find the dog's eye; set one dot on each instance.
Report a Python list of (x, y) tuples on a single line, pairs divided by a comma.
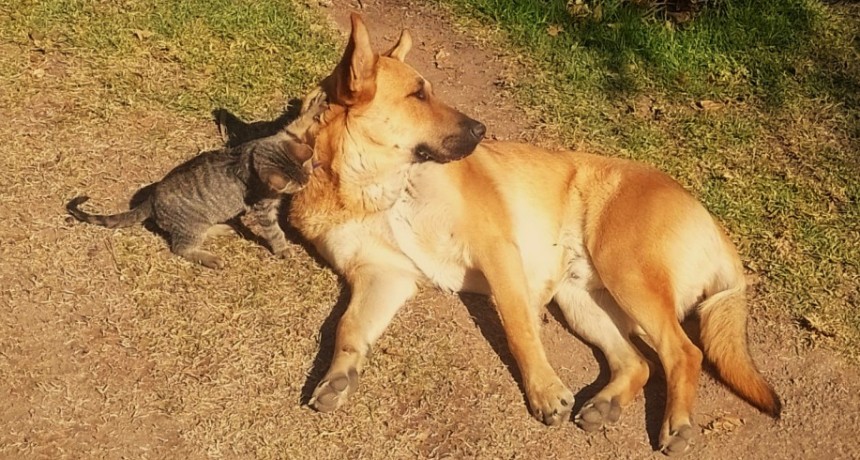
[(420, 94)]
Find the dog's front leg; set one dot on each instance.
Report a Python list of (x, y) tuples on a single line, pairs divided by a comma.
[(550, 400), (377, 294)]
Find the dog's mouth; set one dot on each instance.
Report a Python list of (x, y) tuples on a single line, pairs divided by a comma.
[(424, 152)]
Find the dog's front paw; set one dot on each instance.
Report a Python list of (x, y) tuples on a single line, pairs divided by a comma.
[(551, 403), (334, 390)]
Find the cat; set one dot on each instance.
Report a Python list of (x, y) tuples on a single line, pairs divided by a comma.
[(217, 186)]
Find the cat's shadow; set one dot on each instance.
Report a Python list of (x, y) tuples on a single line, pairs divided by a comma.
[(235, 131)]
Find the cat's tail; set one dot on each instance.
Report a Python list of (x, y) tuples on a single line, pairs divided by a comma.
[(124, 219)]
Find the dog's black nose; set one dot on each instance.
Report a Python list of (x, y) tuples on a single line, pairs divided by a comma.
[(478, 130)]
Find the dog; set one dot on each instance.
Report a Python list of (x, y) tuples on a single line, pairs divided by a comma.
[(408, 193)]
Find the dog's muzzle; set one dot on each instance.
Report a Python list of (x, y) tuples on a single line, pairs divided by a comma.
[(454, 147)]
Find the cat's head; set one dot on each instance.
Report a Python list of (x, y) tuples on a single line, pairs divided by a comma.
[(282, 163)]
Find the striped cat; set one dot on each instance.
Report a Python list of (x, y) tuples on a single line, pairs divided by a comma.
[(217, 186)]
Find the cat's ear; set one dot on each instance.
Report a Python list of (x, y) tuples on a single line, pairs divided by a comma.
[(282, 163), (300, 152), (278, 182)]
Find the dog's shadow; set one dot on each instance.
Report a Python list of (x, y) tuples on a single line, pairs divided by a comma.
[(654, 391), (484, 315), (235, 131)]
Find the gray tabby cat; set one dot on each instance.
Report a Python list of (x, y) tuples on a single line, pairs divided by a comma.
[(217, 186)]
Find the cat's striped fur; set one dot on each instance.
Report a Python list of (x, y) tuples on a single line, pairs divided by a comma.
[(216, 186)]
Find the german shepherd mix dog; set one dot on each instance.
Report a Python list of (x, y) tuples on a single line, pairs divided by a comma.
[(407, 194)]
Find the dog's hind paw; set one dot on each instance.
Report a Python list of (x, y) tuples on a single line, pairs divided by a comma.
[(596, 413), (678, 442), (334, 390)]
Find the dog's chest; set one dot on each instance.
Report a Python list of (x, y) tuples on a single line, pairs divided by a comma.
[(424, 230)]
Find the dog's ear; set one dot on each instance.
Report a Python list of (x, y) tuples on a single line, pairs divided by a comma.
[(402, 47), (355, 75)]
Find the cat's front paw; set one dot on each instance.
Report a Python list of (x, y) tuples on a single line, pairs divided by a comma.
[(211, 261), (283, 253)]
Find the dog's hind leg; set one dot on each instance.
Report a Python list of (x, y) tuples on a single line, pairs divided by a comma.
[(596, 318), (377, 295), (647, 297)]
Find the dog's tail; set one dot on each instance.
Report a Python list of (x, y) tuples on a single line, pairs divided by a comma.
[(124, 219), (724, 336)]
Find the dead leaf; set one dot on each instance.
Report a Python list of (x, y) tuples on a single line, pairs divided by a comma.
[(554, 29), (597, 14), (707, 105), (440, 55), (645, 107), (724, 424), (814, 324), (681, 17), (142, 34), (578, 8), (39, 42), (726, 174)]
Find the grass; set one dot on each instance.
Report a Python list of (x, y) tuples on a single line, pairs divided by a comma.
[(755, 106), (188, 56)]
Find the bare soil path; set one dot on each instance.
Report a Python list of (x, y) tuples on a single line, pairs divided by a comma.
[(112, 348)]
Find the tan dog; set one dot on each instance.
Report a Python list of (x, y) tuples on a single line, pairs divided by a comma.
[(620, 246)]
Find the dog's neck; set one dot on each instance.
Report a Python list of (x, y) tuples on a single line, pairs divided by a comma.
[(364, 183), (373, 191)]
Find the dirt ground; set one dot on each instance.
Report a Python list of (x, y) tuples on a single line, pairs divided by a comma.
[(110, 347)]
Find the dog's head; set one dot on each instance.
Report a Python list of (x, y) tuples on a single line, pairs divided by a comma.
[(391, 106)]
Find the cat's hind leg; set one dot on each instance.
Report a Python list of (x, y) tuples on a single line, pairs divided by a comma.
[(221, 230), (187, 243)]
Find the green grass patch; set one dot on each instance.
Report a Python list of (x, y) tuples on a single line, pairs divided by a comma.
[(189, 56), (755, 106)]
